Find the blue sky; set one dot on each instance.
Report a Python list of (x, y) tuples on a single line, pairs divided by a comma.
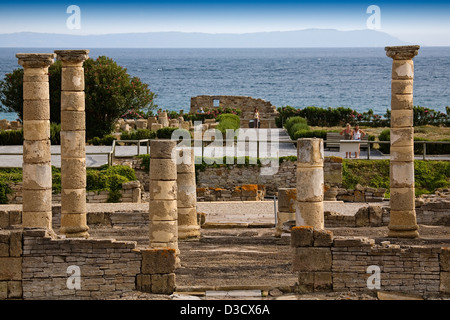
[(426, 23)]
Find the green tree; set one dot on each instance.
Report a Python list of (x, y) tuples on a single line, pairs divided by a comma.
[(110, 93)]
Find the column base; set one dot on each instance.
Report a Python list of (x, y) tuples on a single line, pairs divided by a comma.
[(72, 232), (403, 233)]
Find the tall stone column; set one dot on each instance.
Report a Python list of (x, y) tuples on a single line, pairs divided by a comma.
[(310, 185), (73, 147), (403, 214), (188, 227), (37, 170), (163, 213)]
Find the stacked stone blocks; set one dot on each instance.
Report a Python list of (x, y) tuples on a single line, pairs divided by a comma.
[(73, 148), (37, 172), (10, 264), (158, 267), (327, 263), (403, 216), (188, 227), (310, 183), (163, 212)]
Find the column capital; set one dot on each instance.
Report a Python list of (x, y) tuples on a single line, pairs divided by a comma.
[(72, 56), (36, 60), (402, 52)]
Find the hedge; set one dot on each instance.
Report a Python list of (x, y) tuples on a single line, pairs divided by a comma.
[(105, 178), (228, 121), (431, 149)]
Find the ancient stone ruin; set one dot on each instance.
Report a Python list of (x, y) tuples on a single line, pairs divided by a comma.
[(41, 259), (247, 105)]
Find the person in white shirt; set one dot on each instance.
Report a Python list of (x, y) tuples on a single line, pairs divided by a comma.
[(357, 135)]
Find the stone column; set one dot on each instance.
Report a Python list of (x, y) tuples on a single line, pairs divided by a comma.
[(286, 208), (403, 215), (310, 185), (187, 196), (37, 170), (163, 213), (73, 147)]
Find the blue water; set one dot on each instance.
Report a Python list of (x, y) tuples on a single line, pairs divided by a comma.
[(358, 78)]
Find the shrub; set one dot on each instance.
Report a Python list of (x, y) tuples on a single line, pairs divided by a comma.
[(105, 141), (299, 126), (11, 137), (138, 134), (310, 134), (109, 178), (293, 120), (8, 176), (165, 133), (55, 137), (431, 148), (228, 121), (385, 135)]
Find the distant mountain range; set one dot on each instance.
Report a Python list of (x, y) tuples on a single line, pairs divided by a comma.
[(283, 39)]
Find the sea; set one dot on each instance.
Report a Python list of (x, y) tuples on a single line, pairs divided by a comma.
[(357, 78)]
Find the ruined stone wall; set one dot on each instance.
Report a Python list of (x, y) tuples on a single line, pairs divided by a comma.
[(37, 264), (230, 176), (107, 267), (247, 106), (131, 192), (327, 263)]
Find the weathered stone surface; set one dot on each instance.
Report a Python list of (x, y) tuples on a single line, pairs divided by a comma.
[(36, 91), (302, 236), (159, 260), (310, 184), (163, 190), (312, 259), (163, 231), (402, 86), (37, 200), (402, 137), (72, 78), (163, 283), (323, 238), (73, 173), (310, 152), (10, 268), (310, 214), (445, 282), (162, 149), (72, 101), (36, 109), (73, 121), (287, 199), (401, 174), (163, 210), (74, 225), (163, 169), (37, 176), (402, 69), (402, 52), (402, 154), (402, 199), (36, 129), (445, 259), (74, 200), (36, 152)]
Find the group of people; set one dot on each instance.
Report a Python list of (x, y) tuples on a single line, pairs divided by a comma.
[(352, 134)]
